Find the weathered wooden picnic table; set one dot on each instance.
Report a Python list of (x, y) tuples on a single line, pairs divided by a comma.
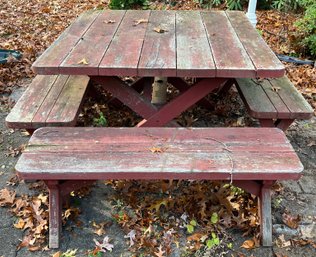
[(215, 46)]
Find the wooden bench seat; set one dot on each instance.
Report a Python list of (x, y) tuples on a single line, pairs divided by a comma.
[(49, 101), (275, 102), (66, 158)]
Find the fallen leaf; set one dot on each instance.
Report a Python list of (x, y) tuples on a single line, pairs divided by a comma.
[(291, 221), (109, 21), (57, 254), (105, 245), (83, 61), (160, 30), (156, 149), (195, 237), (275, 89), (99, 228), (281, 242), (140, 21), (248, 244), (160, 252), (6, 197), (132, 236), (70, 253), (20, 225), (43, 198)]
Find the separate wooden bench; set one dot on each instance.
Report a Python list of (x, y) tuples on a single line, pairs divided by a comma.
[(49, 101), (67, 158), (275, 102)]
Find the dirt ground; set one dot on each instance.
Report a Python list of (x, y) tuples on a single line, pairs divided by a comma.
[(293, 197)]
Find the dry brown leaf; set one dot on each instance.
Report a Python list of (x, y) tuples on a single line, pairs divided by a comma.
[(156, 149), (248, 244), (312, 143), (291, 221), (140, 21), (43, 198), (160, 30), (57, 254), (160, 252), (109, 21), (275, 89), (6, 197), (281, 242), (83, 61), (20, 225), (99, 228), (195, 237)]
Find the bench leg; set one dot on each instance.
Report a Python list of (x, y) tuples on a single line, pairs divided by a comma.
[(55, 225), (266, 123), (265, 213), (283, 124)]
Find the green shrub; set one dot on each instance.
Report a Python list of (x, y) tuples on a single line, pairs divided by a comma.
[(286, 5), (234, 4), (126, 4), (307, 27)]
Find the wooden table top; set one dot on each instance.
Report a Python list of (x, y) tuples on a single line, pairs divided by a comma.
[(160, 43)]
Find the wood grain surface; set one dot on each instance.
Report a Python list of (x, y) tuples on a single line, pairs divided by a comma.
[(160, 43), (49, 101), (196, 153), (273, 99)]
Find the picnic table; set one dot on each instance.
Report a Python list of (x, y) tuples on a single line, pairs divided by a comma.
[(214, 46), (218, 48)]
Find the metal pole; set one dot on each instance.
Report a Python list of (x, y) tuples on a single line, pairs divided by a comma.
[(251, 13)]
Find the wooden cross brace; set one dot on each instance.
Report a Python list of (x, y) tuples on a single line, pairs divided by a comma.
[(154, 116)]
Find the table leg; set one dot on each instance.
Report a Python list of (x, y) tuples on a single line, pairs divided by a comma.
[(55, 225)]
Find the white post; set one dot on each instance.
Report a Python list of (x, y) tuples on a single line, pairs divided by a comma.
[(251, 13), (159, 93)]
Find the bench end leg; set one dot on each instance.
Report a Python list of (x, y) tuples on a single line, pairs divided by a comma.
[(55, 225), (265, 214)]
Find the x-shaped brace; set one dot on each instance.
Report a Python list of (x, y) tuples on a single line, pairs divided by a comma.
[(154, 116)]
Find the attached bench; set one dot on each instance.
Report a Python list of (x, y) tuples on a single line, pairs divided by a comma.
[(275, 102), (67, 158), (49, 101)]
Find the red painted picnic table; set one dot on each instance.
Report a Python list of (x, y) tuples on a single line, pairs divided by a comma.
[(214, 46)]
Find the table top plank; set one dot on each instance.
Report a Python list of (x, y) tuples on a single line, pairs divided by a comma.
[(195, 44), (123, 54), (231, 59), (265, 61), (99, 35), (49, 62), (194, 57), (49, 101), (158, 56)]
